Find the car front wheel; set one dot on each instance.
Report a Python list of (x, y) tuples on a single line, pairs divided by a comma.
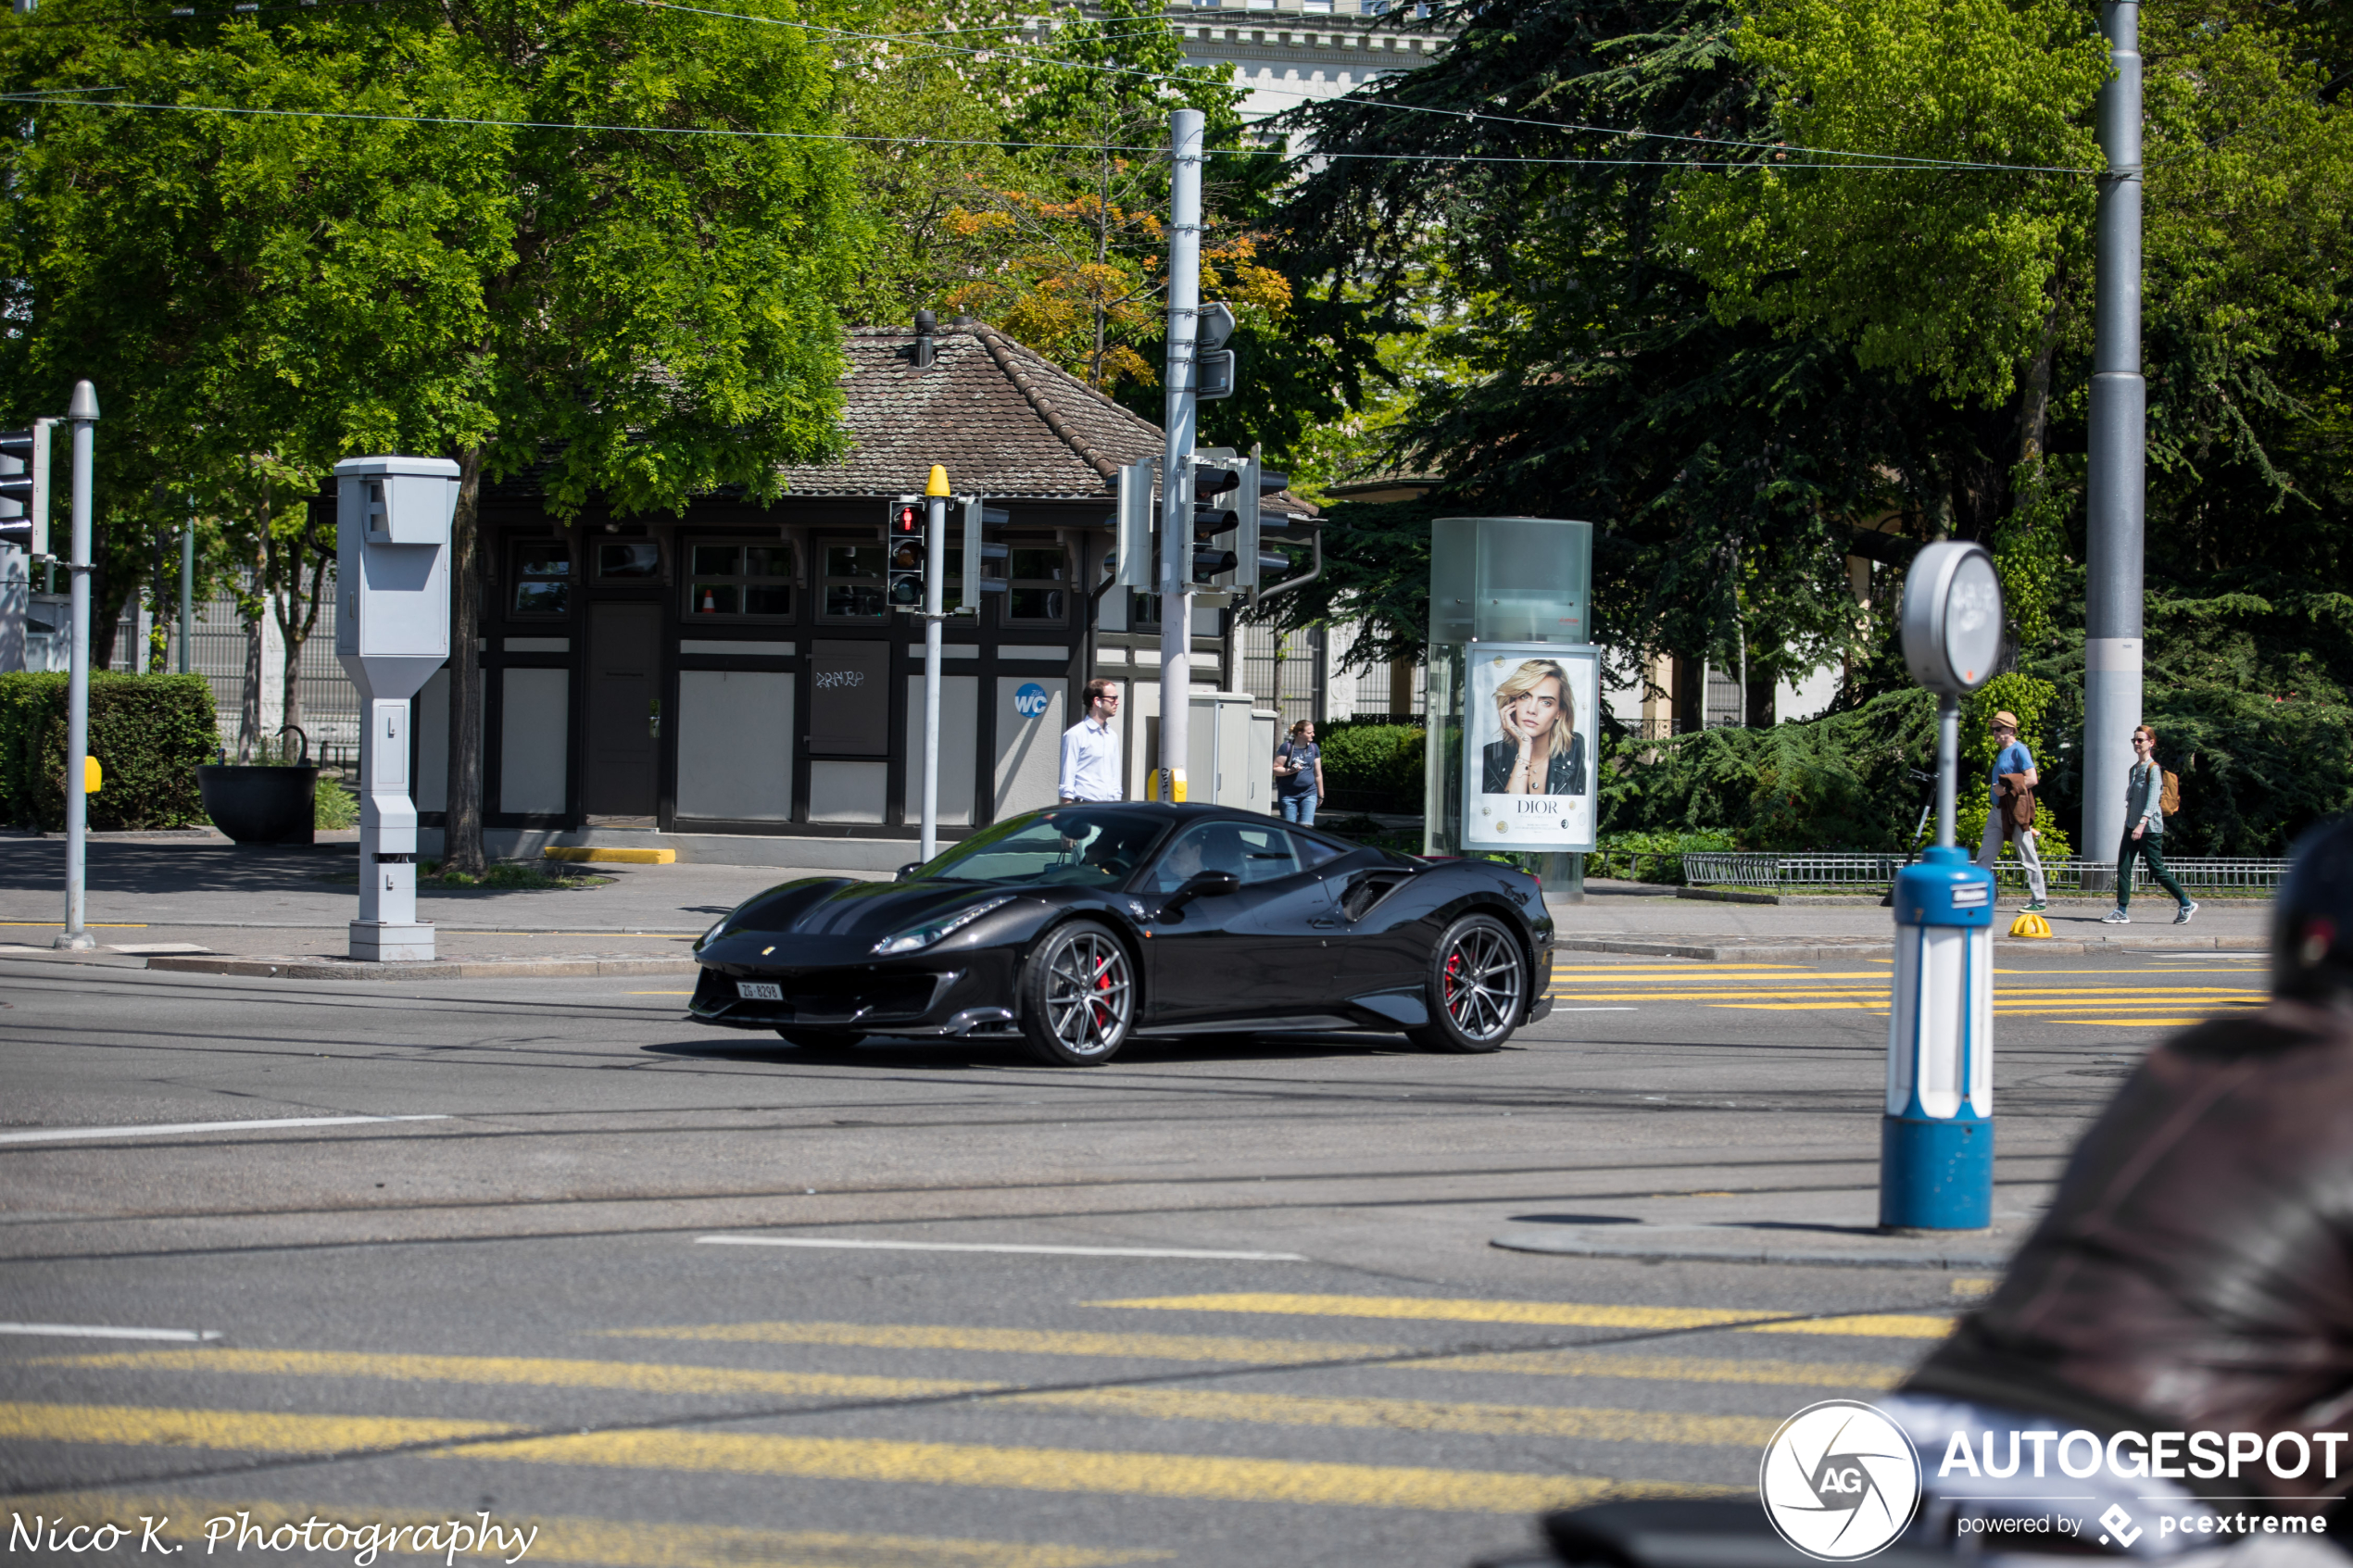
[(1077, 996), (1476, 989)]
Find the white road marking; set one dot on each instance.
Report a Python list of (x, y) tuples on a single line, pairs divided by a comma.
[(994, 1246), (168, 1129), (93, 1331)]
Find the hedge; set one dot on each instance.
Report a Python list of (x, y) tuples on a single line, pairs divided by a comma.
[(1375, 767), (148, 732)]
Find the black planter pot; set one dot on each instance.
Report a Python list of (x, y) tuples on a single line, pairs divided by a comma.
[(260, 804)]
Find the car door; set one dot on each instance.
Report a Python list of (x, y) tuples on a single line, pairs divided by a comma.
[(1256, 952)]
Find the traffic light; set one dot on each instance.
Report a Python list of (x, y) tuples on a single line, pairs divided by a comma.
[(24, 487), (1135, 563), (978, 517), (904, 546), (1254, 561), (1226, 551), (1212, 362)]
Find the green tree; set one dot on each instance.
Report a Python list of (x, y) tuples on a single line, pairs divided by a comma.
[(594, 242)]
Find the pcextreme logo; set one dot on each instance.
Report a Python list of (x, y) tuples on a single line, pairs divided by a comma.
[(1840, 1481)]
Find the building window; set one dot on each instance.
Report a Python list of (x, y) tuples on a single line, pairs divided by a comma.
[(543, 578), (637, 561), (853, 581), (739, 579), (1040, 578), (1143, 610)]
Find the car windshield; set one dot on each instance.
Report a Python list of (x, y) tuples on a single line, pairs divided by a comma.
[(1072, 843)]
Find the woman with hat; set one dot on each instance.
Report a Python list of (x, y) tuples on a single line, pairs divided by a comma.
[(2011, 795)]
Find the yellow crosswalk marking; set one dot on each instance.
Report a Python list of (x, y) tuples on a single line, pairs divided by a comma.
[(1212, 1347), (1156, 1404), (635, 1377), (1019, 1341), (1203, 1477), (267, 1432), (610, 1543), (1566, 1314), (1417, 1415), (1563, 1314)]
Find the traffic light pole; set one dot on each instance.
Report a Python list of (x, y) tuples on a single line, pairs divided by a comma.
[(2114, 486), (1176, 458), (188, 589), (82, 414), (935, 582)]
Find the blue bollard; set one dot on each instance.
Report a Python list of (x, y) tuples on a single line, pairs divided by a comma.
[(1937, 1141)]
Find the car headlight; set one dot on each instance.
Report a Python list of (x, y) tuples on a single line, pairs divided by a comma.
[(923, 935)]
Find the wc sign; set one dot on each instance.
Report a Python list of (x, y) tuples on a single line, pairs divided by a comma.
[(1030, 700)]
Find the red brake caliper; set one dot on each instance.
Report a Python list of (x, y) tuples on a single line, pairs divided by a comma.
[(1453, 977), (1102, 983)]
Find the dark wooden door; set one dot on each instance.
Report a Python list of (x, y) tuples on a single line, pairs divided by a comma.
[(625, 714)]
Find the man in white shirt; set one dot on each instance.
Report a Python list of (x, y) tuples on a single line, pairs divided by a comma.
[(1091, 752)]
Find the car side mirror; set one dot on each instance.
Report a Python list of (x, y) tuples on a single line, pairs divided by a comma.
[(909, 868), (1201, 885)]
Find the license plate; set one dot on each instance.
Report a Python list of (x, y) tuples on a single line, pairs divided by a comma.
[(759, 990)]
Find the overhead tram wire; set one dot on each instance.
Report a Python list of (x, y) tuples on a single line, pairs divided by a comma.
[(46, 100), (1782, 151), (1893, 159)]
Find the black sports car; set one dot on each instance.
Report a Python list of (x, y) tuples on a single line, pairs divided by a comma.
[(1076, 927)]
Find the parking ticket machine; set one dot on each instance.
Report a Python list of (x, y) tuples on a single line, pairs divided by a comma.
[(392, 632)]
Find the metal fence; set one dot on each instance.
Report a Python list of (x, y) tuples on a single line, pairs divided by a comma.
[(2215, 872), (217, 651)]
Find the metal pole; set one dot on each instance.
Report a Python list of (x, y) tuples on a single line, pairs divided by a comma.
[(934, 581), (1948, 766), (1176, 457), (188, 588), (84, 414), (2115, 486)]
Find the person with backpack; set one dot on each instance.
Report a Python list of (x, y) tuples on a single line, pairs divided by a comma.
[(2146, 790)]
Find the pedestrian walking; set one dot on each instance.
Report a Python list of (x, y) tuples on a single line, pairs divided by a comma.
[(2010, 817), (1299, 774), (1091, 751), (2144, 833)]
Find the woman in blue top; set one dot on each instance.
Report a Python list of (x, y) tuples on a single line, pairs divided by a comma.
[(2144, 827)]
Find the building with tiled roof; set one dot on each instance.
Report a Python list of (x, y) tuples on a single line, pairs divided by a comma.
[(1002, 420), (734, 673)]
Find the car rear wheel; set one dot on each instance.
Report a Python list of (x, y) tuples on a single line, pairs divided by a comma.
[(1476, 989), (818, 1039), (1077, 996)]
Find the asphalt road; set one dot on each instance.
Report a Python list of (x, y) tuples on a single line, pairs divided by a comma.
[(1274, 1332)]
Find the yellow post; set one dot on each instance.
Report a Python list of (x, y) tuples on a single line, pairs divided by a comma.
[(92, 775)]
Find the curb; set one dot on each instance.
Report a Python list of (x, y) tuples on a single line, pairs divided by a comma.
[(1808, 952), (607, 855), (1879, 900), (1741, 1243), (462, 968)]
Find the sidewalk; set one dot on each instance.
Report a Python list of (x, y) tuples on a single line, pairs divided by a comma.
[(1643, 920), (187, 902), (283, 907)]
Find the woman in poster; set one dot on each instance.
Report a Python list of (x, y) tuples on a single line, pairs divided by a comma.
[(1540, 752)]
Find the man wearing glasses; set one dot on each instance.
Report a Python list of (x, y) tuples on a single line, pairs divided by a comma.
[(1091, 752)]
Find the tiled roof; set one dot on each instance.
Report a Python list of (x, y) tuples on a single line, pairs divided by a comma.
[(1003, 421)]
